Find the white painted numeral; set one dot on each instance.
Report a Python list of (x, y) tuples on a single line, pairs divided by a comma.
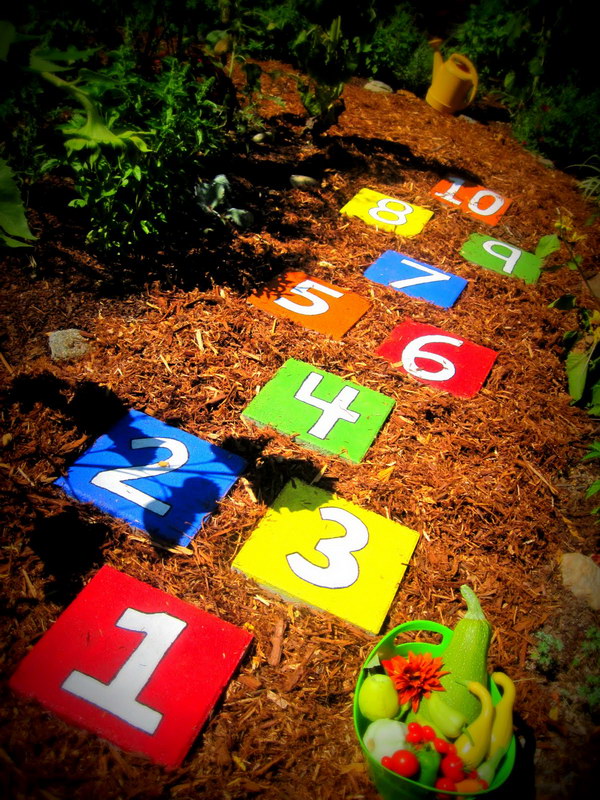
[(342, 570), (508, 253), (382, 205), (412, 351), (318, 304), (433, 276), (496, 205), (333, 411), (119, 696), (113, 479), (451, 191)]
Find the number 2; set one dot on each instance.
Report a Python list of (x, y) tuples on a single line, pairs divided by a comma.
[(342, 570), (114, 479), (318, 304), (119, 696)]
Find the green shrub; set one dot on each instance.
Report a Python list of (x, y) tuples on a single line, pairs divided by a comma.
[(399, 53)]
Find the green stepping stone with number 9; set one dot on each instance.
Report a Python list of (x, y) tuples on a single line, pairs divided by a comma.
[(321, 410)]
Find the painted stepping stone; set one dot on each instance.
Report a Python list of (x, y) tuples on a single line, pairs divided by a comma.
[(133, 665), (502, 257), (319, 549), (416, 278), (387, 213), (437, 358), (476, 201), (320, 410), (313, 303), (155, 477)]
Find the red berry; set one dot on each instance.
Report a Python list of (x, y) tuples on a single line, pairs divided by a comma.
[(445, 785), (452, 767), (405, 763), (428, 733)]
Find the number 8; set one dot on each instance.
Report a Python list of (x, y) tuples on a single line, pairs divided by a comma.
[(382, 205)]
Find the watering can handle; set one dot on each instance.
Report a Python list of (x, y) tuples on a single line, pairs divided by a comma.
[(464, 61)]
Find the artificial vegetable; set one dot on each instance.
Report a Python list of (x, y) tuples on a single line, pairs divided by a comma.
[(487, 770), (502, 729), (473, 744), (450, 721), (466, 657), (429, 762), (470, 785), (384, 736), (378, 698)]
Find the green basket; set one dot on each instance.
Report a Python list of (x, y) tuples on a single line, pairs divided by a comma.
[(390, 785)]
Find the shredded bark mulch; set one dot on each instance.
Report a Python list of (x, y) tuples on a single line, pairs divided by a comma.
[(485, 481)]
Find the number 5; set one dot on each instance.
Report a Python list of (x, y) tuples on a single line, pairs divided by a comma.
[(318, 305)]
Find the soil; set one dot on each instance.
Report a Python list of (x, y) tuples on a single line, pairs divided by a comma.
[(493, 484)]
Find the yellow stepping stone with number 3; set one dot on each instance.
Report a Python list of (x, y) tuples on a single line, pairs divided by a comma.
[(387, 213)]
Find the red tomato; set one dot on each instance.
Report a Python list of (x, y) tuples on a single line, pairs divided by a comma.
[(428, 733), (445, 785), (405, 763), (452, 767), (441, 746), (413, 737), (414, 726), (386, 761)]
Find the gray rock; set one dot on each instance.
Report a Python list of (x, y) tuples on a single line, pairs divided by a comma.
[(581, 575), (304, 182), (69, 343), (378, 86)]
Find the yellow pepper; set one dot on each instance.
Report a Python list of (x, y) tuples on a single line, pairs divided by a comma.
[(502, 729), (474, 743)]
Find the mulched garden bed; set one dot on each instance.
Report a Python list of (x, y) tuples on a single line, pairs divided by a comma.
[(485, 481)]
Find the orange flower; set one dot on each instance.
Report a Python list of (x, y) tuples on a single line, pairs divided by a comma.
[(415, 677)]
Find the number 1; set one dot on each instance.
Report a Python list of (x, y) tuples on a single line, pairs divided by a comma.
[(119, 696)]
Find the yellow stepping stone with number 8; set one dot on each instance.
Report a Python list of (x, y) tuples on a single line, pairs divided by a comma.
[(387, 213)]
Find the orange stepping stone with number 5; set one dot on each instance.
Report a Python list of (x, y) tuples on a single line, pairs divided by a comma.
[(311, 302)]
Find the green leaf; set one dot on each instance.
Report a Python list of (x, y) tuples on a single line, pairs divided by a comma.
[(12, 212), (593, 451), (577, 366), (7, 37), (565, 302), (547, 245), (593, 489)]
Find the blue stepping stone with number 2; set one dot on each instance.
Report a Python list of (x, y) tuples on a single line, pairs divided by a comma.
[(416, 278), (155, 477)]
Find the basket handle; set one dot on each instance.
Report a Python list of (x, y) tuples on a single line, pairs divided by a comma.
[(387, 643)]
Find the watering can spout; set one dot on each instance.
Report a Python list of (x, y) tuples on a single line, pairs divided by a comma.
[(454, 82)]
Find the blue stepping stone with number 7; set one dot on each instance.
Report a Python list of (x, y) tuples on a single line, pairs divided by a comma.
[(416, 278), (156, 477)]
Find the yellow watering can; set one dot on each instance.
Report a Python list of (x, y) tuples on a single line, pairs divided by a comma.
[(454, 82)]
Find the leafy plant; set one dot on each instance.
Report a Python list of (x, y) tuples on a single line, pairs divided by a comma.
[(593, 452), (546, 653), (14, 229)]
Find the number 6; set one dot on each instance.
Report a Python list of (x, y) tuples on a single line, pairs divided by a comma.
[(412, 351)]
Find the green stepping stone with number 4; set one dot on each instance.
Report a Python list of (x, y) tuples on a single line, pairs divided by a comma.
[(502, 257), (321, 410)]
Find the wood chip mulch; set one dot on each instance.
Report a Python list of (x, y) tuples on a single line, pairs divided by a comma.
[(484, 481)]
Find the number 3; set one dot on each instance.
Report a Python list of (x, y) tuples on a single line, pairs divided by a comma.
[(343, 569), (113, 479)]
